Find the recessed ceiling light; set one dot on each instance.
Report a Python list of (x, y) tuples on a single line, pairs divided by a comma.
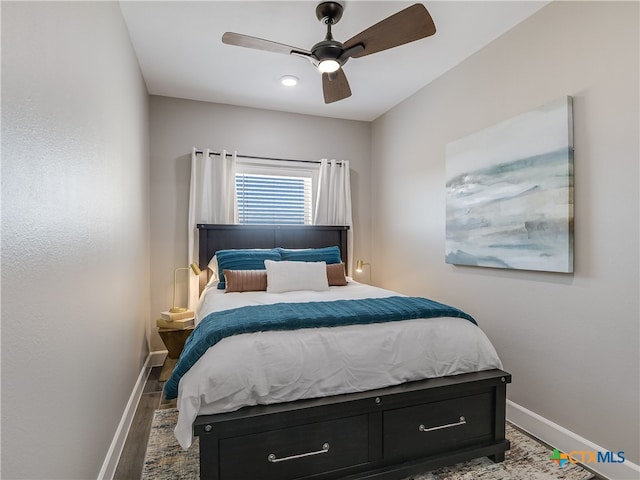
[(289, 81)]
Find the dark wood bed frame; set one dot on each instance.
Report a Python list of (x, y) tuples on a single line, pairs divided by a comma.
[(390, 433)]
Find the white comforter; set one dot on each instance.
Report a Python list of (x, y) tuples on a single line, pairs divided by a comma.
[(274, 367)]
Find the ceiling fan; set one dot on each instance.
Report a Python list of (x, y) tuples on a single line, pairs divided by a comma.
[(329, 55)]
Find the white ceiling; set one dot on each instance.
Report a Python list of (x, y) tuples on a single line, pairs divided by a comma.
[(179, 48)]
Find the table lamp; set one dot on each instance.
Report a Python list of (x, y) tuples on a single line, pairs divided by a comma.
[(360, 265), (193, 267)]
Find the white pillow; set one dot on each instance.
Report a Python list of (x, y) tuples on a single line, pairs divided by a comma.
[(213, 266), (287, 276)]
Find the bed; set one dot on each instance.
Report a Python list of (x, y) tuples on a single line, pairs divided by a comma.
[(382, 417)]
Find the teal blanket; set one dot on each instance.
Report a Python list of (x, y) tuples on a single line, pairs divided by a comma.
[(292, 316)]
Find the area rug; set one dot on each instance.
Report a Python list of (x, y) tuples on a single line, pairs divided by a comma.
[(527, 459)]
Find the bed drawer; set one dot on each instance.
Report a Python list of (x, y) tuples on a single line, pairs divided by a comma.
[(296, 452), (435, 427)]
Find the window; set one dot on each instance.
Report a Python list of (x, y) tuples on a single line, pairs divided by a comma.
[(273, 194)]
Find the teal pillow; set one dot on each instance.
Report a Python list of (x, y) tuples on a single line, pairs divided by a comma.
[(243, 259), (329, 255)]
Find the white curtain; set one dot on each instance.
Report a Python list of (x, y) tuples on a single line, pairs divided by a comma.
[(333, 202), (212, 199)]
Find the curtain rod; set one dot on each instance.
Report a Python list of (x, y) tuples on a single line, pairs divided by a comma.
[(200, 152)]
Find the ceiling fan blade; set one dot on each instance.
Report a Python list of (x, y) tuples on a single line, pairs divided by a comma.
[(335, 86), (240, 40), (408, 25)]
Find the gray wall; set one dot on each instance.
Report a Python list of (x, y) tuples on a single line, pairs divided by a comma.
[(75, 235), (176, 126), (570, 341)]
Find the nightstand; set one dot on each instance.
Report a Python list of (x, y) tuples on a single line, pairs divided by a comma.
[(174, 340)]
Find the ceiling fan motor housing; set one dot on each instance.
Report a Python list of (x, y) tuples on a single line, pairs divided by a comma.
[(327, 50)]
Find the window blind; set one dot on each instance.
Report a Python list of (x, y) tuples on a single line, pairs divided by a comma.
[(273, 199)]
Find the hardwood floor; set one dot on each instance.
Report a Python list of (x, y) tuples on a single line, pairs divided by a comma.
[(132, 458)]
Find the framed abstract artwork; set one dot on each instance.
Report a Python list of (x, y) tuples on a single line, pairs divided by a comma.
[(509, 193)]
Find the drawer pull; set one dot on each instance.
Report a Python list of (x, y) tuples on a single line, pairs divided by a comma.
[(462, 421), (273, 459)]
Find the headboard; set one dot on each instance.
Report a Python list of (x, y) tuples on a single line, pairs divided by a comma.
[(214, 237)]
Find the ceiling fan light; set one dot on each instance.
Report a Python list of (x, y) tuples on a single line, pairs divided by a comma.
[(289, 81), (328, 66)]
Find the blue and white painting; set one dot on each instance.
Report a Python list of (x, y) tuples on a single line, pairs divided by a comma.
[(509, 193)]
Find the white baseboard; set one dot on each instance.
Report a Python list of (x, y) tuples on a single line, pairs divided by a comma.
[(568, 441), (156, 359), (108, 470)]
